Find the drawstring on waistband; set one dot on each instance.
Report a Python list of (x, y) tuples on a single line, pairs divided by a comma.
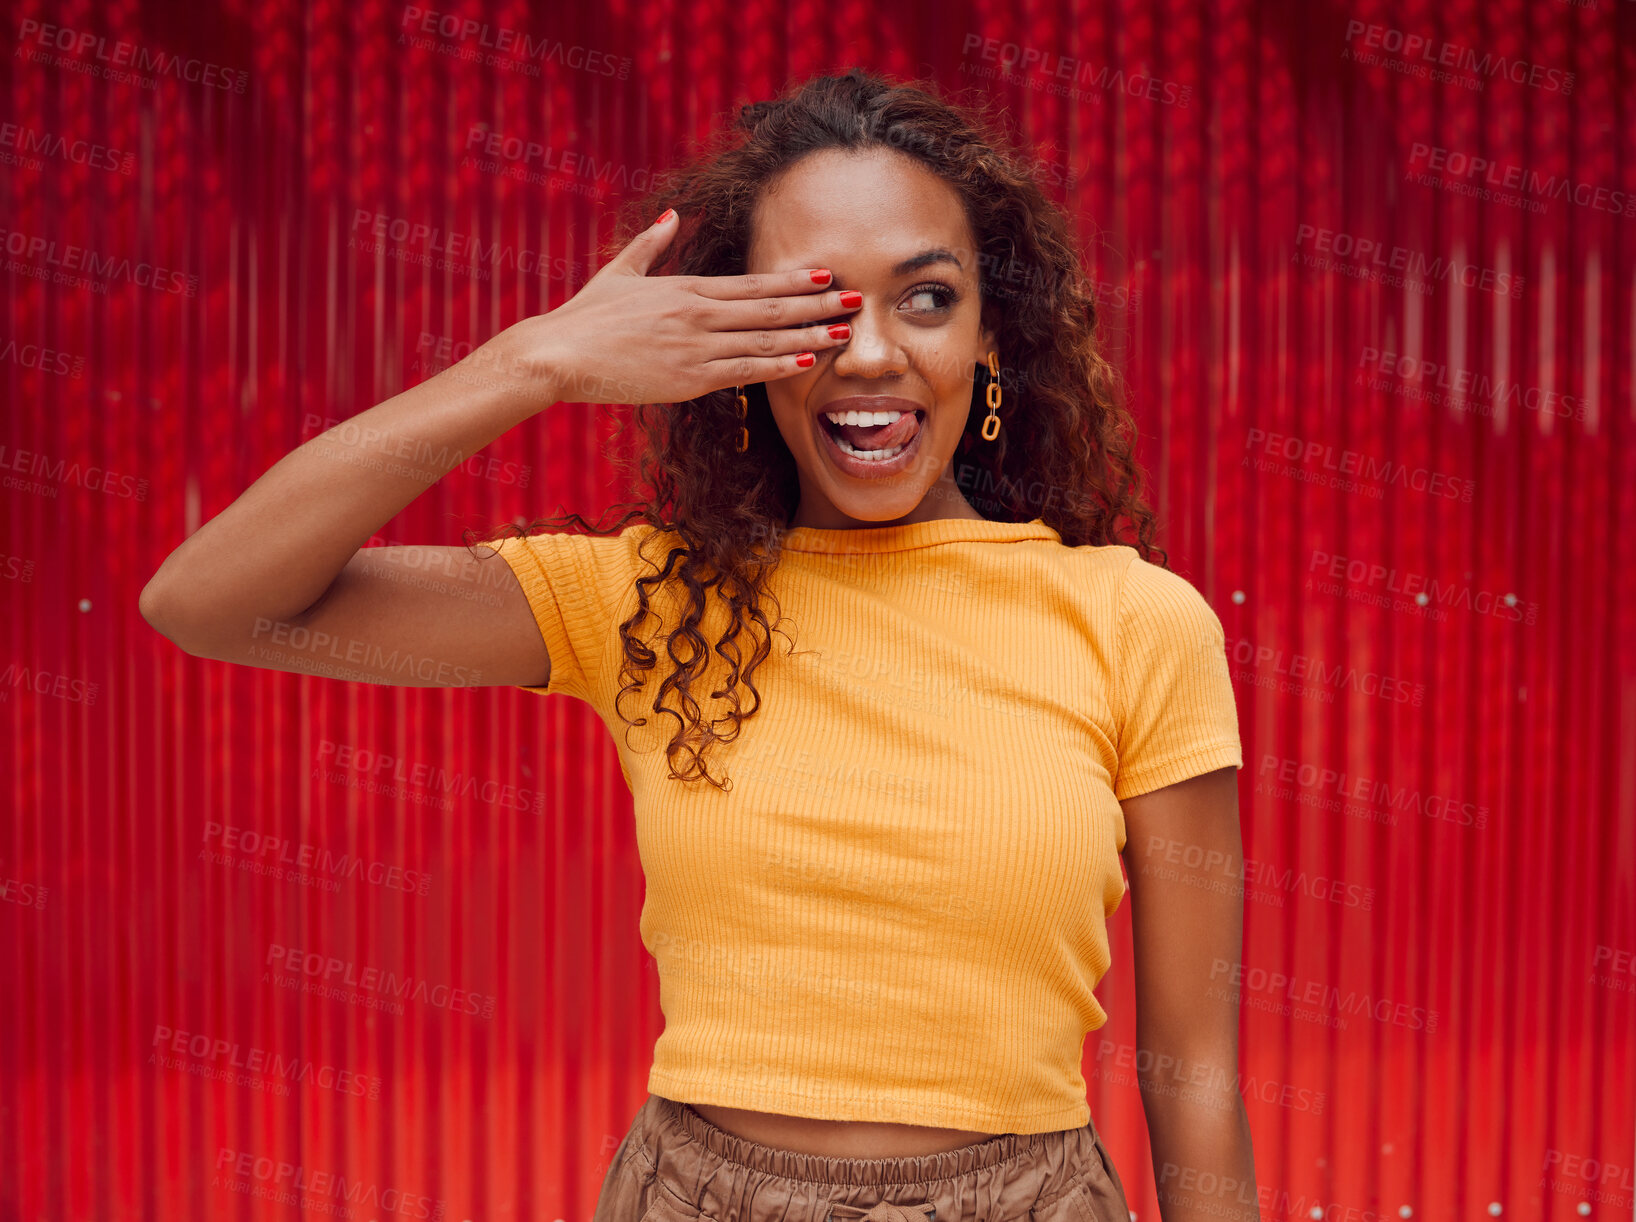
[(886, 1211)]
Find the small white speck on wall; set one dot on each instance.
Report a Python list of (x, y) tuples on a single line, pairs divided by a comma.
[(85, 604)]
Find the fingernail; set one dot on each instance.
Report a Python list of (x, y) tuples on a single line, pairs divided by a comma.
[(851, 300), (665, 216), (840, 331), (821, 276), (805, 359)]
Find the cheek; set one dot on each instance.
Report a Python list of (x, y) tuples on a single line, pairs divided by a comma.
[(948, 371), (790, 414)]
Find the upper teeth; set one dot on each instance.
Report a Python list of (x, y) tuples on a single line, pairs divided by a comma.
[(863, 418)]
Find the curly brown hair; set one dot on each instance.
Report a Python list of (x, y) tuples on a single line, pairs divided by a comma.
[(721, 513)]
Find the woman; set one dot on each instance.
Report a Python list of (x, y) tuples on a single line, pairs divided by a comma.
[(878, 860)]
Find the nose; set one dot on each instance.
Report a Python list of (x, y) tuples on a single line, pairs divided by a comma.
[(871, 352)]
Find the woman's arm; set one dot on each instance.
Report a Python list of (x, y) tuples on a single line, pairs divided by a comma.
[(1187, 930), (278, 580)]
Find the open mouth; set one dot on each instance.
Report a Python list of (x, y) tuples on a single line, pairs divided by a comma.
[(873, 437)]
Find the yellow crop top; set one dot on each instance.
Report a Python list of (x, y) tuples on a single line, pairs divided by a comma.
[(896, 912)]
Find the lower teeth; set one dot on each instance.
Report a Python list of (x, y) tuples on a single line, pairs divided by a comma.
[(870, 455)]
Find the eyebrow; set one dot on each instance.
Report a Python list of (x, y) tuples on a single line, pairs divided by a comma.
[(914, 263), (925, 257)]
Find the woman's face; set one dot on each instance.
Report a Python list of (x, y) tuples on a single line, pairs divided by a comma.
[(891, 229)]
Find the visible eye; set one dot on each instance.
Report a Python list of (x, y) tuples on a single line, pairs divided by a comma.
[(941, 293)]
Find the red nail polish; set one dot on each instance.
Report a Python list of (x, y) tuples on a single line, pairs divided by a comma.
[(851, 300), (840, 331), (821, 276), (805, 359), (665, 216)]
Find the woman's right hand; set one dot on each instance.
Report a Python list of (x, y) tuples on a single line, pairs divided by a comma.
[(628, 337)]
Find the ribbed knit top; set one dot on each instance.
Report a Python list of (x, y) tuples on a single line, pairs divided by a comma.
[(896, 911)]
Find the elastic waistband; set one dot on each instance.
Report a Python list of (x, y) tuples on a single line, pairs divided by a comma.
[(665, 1124)]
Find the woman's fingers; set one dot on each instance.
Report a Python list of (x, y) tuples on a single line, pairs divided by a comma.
[(764, 284), (772, 342), (772, 299), (758, 313), (744, 370)]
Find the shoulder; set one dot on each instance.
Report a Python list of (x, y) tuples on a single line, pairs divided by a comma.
[(1139, 585), (638, 539), (1146, 585), (582, 572), (1156, 607)]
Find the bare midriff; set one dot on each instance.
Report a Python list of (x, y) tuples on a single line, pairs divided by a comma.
[(837, 1138)]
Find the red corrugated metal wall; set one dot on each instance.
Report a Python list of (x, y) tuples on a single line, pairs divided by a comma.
[(1369, 273)]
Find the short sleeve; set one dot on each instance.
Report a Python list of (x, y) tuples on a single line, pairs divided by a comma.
[(1178, 717), (576, 585)]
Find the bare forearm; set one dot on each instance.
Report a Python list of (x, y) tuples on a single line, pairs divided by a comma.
[(1203, 1162), (275, 550)]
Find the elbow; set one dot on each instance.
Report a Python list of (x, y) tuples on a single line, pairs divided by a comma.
[(158, 607), (151, 602)]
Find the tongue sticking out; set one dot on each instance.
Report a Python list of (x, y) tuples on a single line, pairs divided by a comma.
[(880, 436)]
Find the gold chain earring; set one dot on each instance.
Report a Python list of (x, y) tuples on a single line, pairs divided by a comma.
[(743, 410), (990, 433)]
